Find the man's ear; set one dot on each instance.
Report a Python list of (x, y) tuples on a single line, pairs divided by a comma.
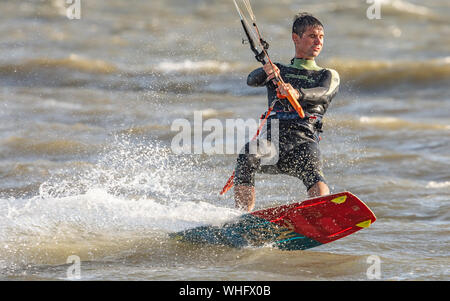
[(295, 37)]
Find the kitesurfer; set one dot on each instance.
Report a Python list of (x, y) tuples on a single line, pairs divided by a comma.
[(314, 87)]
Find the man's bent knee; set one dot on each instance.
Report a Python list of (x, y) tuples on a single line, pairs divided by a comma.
[(244, 197), (318, 189)]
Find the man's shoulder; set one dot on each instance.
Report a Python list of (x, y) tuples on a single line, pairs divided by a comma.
[(333, 75), (327, 69), (333, 72)]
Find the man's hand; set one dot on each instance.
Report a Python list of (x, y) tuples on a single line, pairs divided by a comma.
[(271, 71), (284, 89)]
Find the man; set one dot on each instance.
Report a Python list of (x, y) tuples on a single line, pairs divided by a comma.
[(313, 87)]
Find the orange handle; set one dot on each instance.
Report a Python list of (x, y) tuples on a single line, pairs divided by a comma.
[(293, 102)]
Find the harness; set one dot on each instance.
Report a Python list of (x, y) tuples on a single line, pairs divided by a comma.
[(311, 123)]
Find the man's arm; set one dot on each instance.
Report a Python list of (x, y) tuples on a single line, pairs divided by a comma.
[(257, 78), (260, 76), (324, 92)]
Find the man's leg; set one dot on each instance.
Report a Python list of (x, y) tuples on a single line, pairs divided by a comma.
[(318, 189), (248, 163), (244, 180), (304, 162), (244, 197)]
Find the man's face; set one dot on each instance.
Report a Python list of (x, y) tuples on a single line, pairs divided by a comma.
[(310, 44)]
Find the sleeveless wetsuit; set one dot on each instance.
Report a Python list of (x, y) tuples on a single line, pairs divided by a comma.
[(298, 152)]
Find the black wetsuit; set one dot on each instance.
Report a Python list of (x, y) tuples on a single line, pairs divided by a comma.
[(298, 154)]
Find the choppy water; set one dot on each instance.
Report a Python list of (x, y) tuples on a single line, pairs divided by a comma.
[(87, 169)]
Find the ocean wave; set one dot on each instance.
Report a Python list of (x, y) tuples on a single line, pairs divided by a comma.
[(76, 71), (382, 74), (210, 75), (126, 202), (96, 66), (433, 184), (189, 67), (72, 62), (93, 225), (408, 9), (393, 123), (56, 147), (384, 122)]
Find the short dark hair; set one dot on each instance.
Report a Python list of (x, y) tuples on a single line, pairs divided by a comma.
[(304, 20)]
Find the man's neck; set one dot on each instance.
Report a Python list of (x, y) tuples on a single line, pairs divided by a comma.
[(299, 53), (302, 63)]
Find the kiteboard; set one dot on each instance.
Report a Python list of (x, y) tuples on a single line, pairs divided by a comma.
[(297, 226)]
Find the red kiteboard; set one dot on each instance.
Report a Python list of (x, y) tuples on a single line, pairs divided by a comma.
[(297, 226), (323, 219)]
